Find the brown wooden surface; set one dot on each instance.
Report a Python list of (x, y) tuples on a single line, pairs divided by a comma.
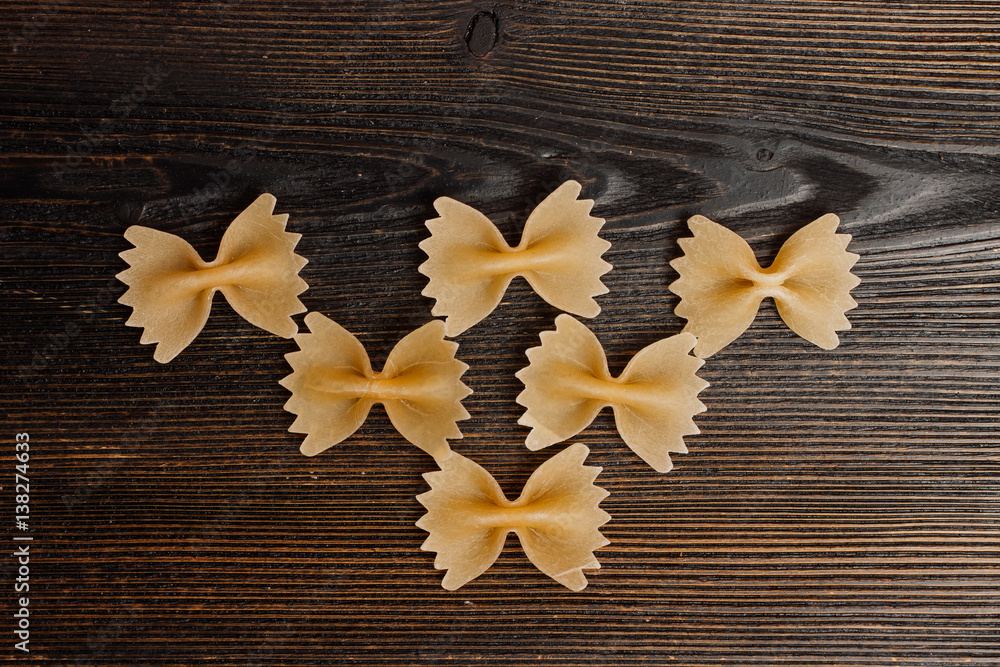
[(838, 508)]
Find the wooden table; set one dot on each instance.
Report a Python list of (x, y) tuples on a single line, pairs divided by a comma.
[(838, 507)]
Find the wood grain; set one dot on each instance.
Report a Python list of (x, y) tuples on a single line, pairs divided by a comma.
[(838, 507)]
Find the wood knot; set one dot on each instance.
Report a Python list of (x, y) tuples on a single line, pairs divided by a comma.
[(482, 34), (129, 212)]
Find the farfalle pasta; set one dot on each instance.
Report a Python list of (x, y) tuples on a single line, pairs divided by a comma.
[(171, 287), (556, 518), (470, 265), (334, 387), (567, 382), (721, 284)]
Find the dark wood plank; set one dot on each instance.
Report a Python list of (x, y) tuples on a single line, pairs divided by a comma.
[(838, 507)]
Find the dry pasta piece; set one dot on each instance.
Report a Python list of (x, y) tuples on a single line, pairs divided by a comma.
[(556, 518), (470, 265), (654, 399), (333, 387), (721, 284), (171, 287)]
